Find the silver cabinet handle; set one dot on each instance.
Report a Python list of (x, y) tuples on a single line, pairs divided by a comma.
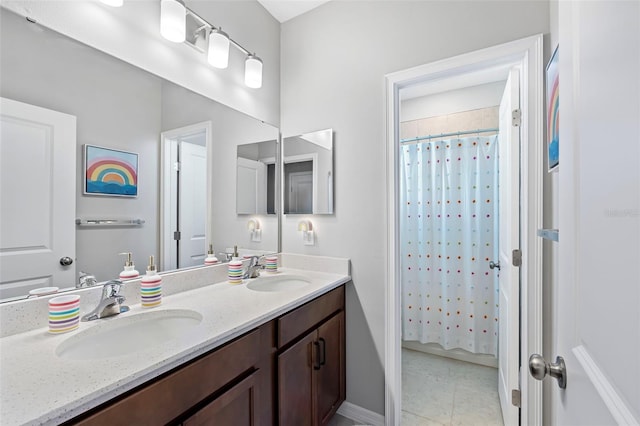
[(493, 265), (539, 368)]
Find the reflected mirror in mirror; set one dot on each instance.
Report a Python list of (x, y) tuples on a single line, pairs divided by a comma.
[(308, 173), (122, 107), (256, 178)]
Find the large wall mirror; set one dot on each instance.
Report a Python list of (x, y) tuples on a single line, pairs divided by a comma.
[(308, 173), (186, 145)]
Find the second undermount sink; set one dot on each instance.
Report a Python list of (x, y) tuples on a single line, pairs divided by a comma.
[(125, 334), (278, 283)]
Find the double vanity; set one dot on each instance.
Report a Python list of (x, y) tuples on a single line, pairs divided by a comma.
[(268, 351)]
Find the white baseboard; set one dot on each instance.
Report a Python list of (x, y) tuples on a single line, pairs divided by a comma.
[(360, 415)]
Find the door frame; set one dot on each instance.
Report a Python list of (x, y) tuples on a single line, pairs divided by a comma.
[(527, 53), (166, 138)]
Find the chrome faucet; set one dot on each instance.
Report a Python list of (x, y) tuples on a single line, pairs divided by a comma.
[(86, 280), (110, 302), (253, 270)]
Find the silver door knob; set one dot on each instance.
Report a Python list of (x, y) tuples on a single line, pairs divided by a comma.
[(66, 261), (493, 265), (539, 368)]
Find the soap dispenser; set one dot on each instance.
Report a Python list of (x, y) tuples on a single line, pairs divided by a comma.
[(235, 255), (129, 271), (211, 258), (151, 287)]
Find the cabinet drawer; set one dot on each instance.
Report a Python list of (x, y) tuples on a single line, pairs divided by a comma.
[(168, 397), (307, 316)]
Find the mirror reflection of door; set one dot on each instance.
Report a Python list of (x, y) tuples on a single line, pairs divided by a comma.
[(37, 206), (256, 178), (185, 197), (299, 187)]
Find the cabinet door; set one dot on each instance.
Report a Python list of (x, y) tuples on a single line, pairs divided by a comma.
[(235, 407), (296, 382), (331, 375)]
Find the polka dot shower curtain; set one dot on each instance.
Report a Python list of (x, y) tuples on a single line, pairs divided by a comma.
[(448, 235)]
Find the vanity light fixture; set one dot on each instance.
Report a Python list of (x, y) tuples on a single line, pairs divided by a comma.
[(113, 3), (254, 230), (253, 71), (173, 27), (173, 20), (218, 52), (308, 234)]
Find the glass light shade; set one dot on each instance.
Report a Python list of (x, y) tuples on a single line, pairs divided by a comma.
[(113, 3), (218, 54), (253, 72), (173, 22)]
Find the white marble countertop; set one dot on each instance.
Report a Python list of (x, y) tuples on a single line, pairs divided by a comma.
[(38, 387)]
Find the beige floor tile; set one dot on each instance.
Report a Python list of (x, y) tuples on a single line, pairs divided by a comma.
[(446, 391)]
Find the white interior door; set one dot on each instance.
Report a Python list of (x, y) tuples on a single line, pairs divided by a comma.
[(300, 192), (509, 239), (252, 187), (598, 288), (193, 204), (37, 198)]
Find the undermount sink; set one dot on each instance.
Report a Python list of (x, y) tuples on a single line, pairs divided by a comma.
[(125, 334), (278, 283)]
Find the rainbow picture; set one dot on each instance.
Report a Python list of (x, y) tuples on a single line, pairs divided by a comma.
[(553, 111), (110, 172)]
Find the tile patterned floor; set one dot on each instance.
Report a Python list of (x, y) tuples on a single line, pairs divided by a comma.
[(439, 391)]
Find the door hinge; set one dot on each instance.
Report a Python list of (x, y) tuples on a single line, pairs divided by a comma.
[(176, 235), (176, 166), (516, 117), (516, 257), (515, 397)]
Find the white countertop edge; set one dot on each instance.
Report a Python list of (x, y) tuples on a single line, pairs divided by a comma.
[(100, 396)]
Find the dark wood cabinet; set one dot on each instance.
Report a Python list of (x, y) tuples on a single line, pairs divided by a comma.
[(289, 371), (232, 382), (311, 370)]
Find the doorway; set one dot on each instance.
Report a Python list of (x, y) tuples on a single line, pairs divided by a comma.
[(464, 71), (186, 203)]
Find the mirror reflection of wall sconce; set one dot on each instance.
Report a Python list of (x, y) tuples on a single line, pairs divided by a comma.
[(308, 234), (254, 230)]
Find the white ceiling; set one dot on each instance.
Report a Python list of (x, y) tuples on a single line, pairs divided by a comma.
[(283, 10)]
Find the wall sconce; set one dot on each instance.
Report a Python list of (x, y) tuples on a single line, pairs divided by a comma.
[(308, 234), (254, 230), (218, 52), (173, 27), (173, 24)]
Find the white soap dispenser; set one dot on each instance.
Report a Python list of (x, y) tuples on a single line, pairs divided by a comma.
[(211, 258), (129, 271), (151, 287)]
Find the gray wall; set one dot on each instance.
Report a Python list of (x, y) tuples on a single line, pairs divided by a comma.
[(334, 59), (132, 33)]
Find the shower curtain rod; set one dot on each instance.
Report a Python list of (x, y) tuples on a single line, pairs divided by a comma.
[(444, 135)]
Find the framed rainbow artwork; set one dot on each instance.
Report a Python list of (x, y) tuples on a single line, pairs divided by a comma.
[(110, 172), (553, 111)]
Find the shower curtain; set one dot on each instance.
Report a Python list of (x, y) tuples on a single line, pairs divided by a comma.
[(448, 235)]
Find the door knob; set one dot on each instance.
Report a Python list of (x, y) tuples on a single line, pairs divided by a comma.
[(66, 261), (539, 368), (493, 265)]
